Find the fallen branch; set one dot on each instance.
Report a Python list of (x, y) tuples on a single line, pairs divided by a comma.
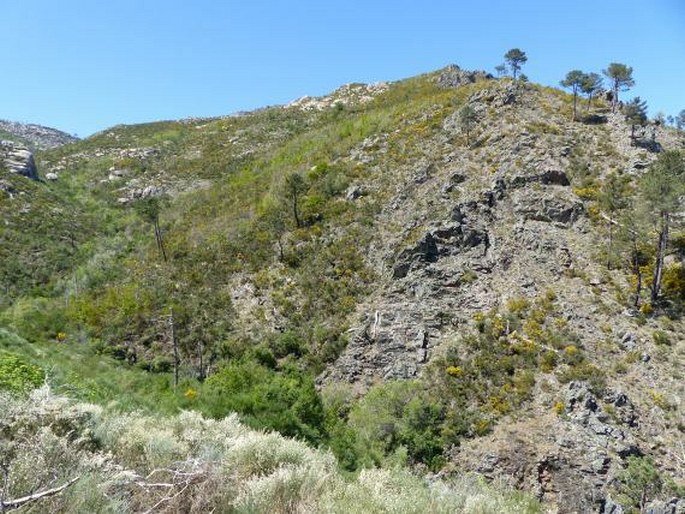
[(15, 504)]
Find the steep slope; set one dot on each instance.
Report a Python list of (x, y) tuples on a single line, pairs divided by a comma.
[(472, 269)]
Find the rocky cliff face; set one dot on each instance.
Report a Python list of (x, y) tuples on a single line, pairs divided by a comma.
[(18, 159), (464, 233)]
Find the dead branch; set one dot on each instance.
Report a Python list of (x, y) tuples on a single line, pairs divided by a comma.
[(15, 504)]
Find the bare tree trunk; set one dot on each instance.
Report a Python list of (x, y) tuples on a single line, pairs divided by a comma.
[(659, 258), (610, 245), (575, 99), (296, 211), (160, 240), (201, 374), (174, 343), (637, 271)]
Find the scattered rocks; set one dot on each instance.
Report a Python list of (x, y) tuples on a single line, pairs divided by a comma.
[(349, 94), (628, 342), (7, 188), (354, 193)]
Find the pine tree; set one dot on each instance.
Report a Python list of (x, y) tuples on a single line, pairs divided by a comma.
[(635, 112), (467, 117), (592, 83), (662, 186), (515, 58), (295, 187), (680, 120), (621, 77), (574, 81)]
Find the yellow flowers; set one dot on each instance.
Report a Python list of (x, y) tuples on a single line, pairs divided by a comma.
[(454, 371), (559, 408), (190, 394), (61, 337)]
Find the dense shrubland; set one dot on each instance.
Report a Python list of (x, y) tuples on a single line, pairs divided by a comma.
[(130, 462)]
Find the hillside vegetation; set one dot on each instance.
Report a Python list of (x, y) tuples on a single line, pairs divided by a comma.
[(373, 273)]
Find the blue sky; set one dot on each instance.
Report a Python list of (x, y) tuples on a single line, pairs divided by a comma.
[(84, 65)]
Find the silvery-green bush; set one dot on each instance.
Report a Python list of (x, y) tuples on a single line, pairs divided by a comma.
[(133, 462)]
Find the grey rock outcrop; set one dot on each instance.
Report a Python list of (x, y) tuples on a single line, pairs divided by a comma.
[(18, 159), (37, 136), (454, 76), (561, 205)]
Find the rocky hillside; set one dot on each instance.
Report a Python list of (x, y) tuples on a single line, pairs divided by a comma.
[(373, 274), (36, 137)]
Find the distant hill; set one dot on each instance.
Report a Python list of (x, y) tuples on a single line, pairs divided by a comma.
[(36, 137)]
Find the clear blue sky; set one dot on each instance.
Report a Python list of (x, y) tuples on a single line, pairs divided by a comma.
[(84, 65)]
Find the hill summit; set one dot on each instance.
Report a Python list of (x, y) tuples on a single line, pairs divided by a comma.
[(36, 137)]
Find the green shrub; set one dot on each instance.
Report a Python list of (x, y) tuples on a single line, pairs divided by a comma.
[(17, 375), (285, 401), (661, 338), (639, 482)]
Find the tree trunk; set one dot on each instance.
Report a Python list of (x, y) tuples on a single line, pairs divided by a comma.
[(638, 274), (201, 370), (610, 244), (174, 342), (662, 241), (296, 211), (575, 99), (160, 241)]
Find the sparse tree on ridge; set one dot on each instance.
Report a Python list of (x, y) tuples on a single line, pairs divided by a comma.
[(635, 112), (501, 70), (515, 58), (592, 83), (621, 77), (574, 81), (680, 120)]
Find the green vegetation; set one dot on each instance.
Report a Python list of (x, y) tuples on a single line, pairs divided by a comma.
[(635, 112), (515, 58), (574, 81), (113, 462), (621, 79), (639, 483)]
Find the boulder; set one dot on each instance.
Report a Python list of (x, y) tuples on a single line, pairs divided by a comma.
[(18, 159)]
